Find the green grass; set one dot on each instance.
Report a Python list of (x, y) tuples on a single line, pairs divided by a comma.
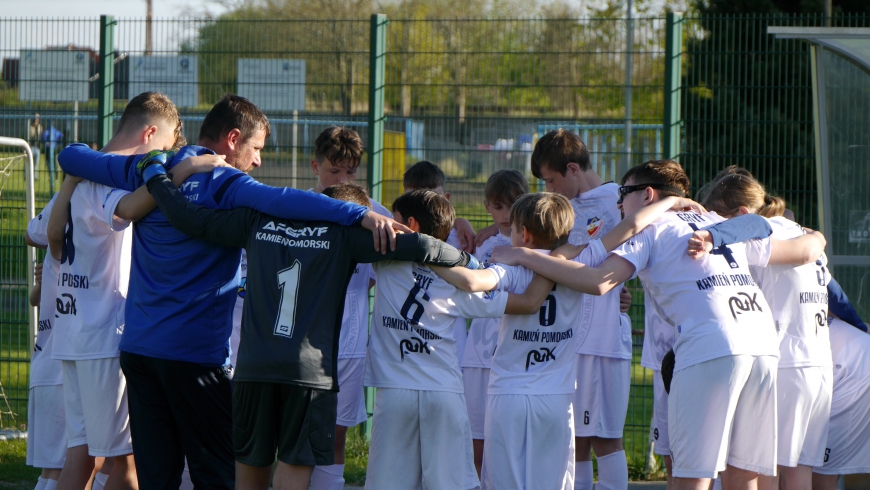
[(356, 457), (14, 474)]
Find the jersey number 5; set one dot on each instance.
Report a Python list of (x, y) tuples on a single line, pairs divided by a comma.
[(288, 284)]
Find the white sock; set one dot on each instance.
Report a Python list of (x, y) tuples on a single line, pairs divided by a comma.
[(328, 477), (40, 483), (51, 484), (100, 481), (583, 475), (717, 484), (613, 471)]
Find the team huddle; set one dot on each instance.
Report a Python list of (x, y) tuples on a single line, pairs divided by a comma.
[(223, 340)]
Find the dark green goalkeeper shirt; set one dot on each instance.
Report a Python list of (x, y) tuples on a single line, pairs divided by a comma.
[(298, 273)]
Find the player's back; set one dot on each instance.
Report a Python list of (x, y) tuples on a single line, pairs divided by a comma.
[(798, 297), (714, 303), (93, 275), (483, 332), (412, 344), (849, 347), (298, 273), (535, 354)]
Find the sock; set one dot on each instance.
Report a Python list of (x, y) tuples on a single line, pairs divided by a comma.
[(583, 475), (40, 483), (100, 481), (613, 471), (51, 484), (328, 477), (717, 484)]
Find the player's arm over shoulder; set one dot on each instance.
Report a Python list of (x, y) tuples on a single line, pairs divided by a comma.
[(410, 247)]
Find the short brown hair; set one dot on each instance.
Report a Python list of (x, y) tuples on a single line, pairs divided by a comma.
[(547, 216), (556, 149), (233, 112), (662, 172), (148, 108), (505, 187), (730, 191), (339, 146), (423, 175), (432, 210), (349, 192)]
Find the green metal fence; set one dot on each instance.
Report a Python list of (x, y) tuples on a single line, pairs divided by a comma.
[(469, 95)]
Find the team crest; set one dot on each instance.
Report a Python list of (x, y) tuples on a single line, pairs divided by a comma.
[(242, 286), (593, 226)]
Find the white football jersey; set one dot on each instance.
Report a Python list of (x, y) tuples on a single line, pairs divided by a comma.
[(716, 306), (411, 344), (45, 371), (798, 298), (93, 276), (601, 330), (536, 353), (849, 348), (658, 336), (460, 326), (483, 331), (235, 335), (354, 336)]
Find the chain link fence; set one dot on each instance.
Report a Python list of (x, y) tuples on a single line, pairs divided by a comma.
[(470, 95)]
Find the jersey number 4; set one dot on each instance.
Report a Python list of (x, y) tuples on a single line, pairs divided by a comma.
[(288, 285)]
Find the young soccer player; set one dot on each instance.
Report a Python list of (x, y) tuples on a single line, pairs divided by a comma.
[(337, 154), (529, 420), (179, 316), (420, 427), (427, 176), (721, 407), (88, 235), (848, 445), (285, 381), (561, 160), (46, 424), (798, 297), (502, 189)]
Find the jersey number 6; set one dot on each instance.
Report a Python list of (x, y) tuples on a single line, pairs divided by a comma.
[(288, 285)]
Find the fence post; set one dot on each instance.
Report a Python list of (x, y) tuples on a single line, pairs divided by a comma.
[(106, 94), (673, 80), (377, 49)]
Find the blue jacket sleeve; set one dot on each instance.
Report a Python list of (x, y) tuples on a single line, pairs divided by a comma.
[(103, 168), (839, 305), (244, 191), (740, 229)]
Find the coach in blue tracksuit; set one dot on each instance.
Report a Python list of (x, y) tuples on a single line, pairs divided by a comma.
[(182, 292)]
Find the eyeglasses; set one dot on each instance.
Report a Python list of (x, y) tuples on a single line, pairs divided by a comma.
[(628, 189)]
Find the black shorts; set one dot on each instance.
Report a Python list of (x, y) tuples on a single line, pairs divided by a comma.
[(299, 422)]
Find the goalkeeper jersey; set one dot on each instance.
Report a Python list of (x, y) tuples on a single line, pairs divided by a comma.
[(298, 272)]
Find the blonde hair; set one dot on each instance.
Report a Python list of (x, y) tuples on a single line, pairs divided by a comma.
[(730, 191), (547, 216)]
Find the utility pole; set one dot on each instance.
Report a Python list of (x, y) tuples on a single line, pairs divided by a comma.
[(148, 26), (629, 42)]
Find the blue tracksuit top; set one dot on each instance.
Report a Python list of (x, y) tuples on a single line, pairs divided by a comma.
[(182, 291)]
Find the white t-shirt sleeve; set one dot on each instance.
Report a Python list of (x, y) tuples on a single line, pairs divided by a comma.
[(593, 255), (512, 278), (637, 249), (37, 229), (478, 305), (110, 203), (758, 252)]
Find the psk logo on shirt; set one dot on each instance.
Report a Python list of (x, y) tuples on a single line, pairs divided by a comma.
[(593, 226), (407, 346), (541, 354)]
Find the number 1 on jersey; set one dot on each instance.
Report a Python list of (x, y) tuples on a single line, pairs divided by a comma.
[(288, 284)]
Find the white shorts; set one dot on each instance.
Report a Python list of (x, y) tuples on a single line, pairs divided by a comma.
[(476, 381), (660, 416), (95, 399), (46, 427), (803, 398), (420, 434), (848, 447), (528, 442), (723, 411), (351, 399), (601, 398)]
